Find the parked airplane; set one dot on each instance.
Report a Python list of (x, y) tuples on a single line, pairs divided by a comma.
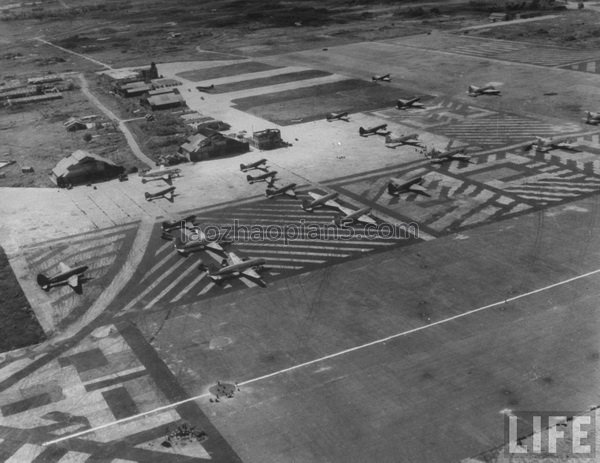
[(410, 103), (192, 239), (170, 225), (268, 177), (457, 154), (260, 165), (592, 117), (486, 90), (205, 88), (397, 186), (410, 139), (372, 130), (67, 276), (341, 116), (166, 178), (167, 193), (320, 200), (546, 144), (284, 190), (163, 173), (384, 78), (236, 267), (350, 216)]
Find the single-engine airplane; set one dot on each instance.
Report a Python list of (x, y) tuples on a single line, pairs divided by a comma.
[(410, 139), (167, 193), (372, 130), (268, 177), (486, 90), (205, 88), (397, 186), (67, 276), (340, 116), (260, 165), (236, 267), (284, 190), (320, 200), (410, 103), (350, 216)]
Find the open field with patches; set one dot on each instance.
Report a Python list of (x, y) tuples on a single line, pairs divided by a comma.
[(366, 348)]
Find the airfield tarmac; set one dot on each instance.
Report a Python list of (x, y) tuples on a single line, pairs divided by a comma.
[(400, 351)]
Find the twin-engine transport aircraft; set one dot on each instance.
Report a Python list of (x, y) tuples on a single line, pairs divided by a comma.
[(457, 154), (192, 239), (384, 78), (410, 103), (236, 267), (320, 200), (67, 276), (341, 116), (486, 90), (268, 177), (170, 225), (547, 144), (167, 193), (284, 190), (397, 186), (163, 173), (260, 165), (351, 216), (205, 88), (372, 130), (410, 139)]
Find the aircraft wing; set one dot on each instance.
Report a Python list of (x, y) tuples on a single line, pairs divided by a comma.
[(215, 246), (332, 203), (290, 192), (73, 281), (251, 273), (234, 258), (345, 210), (418, 188), (314, 196), (367, 219), (64, 267)]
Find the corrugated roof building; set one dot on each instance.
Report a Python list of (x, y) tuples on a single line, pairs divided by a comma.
[(83, 167), (212, 144), (166, 100)]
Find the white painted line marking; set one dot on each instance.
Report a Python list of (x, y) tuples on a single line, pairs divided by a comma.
[(330, 356), (185, 290), (185, 273), (156, 266)]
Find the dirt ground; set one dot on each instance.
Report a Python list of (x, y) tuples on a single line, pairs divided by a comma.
[(573, 29), (35, 136)]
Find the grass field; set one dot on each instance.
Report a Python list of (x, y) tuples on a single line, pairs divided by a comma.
[(311, 103), (19, 327), (199, 75), (268, 81)]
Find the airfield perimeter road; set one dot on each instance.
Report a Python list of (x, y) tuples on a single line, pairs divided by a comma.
[(408, 350)]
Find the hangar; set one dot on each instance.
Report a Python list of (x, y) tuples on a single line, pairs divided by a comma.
[(84, 167), (164, 101)]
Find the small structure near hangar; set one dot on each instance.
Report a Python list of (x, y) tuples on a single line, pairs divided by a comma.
[(210, 144), (267, 139)]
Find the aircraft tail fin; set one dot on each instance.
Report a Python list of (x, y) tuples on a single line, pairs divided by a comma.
[(148, 196), (43, 281), (144, 180), (270, 192), (362, 131), (250, 179), (242, 167), (391, 189)]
